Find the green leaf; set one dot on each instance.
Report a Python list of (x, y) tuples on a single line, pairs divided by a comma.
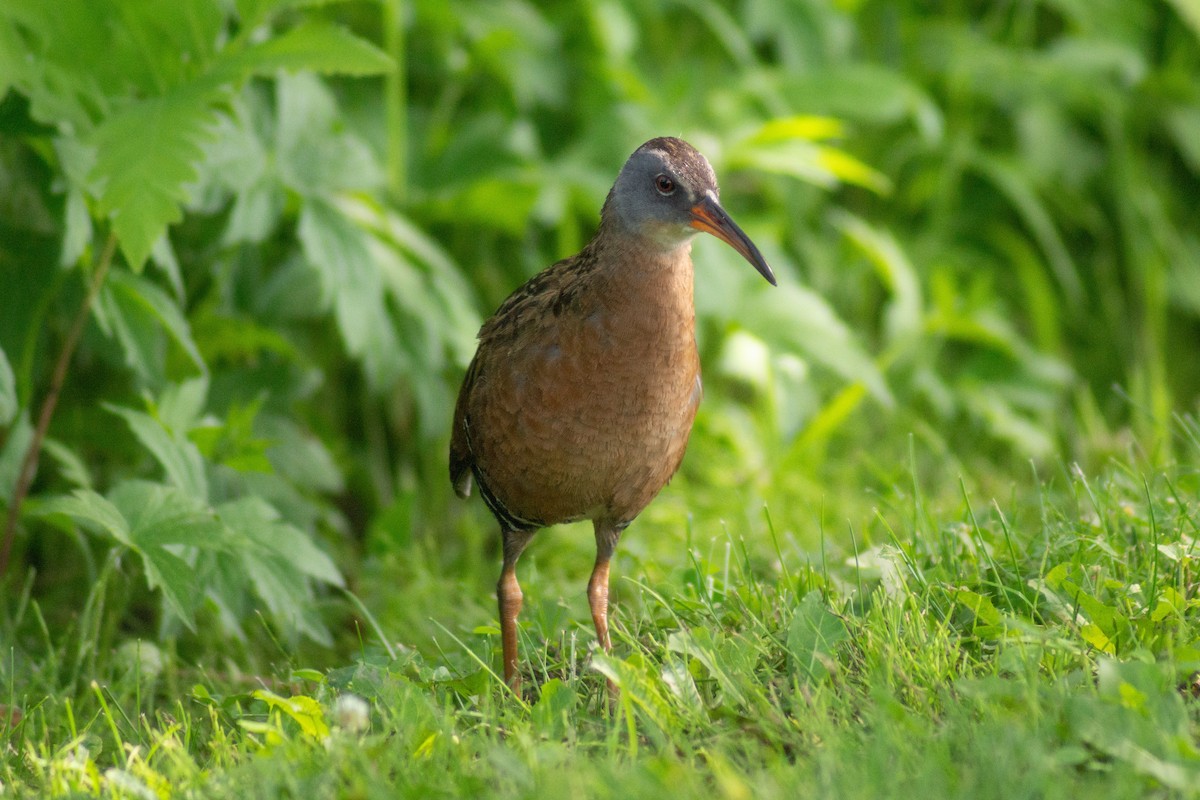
[(146, 155), (178, 456), (93, 511), (1189, 11), (818, 164), (162, 520), (316, 154), (12, 454), (8, 391), (791, 317), (813, 637), (340, 253), (70, 465), (153, 521), (313, 45), (132, 291), (277, 558), (904, 313), (260, 524), (982, 607), (304, 711)]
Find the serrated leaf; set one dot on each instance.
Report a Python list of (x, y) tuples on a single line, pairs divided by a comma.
[(314, 45), (316, 155), (813, 637), (259, 522), (299, 456), (178, 457), (70, 466), (277, 558), (338, 250), (93, 511), (165, 526), (145, 157)]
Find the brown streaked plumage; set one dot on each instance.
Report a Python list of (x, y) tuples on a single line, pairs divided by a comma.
[(580, 399)]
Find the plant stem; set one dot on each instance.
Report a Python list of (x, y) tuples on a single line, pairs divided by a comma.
[(30, 461), (395, 85)]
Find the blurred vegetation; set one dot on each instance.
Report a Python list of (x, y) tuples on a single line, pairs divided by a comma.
[(247, 245), (279, 225)]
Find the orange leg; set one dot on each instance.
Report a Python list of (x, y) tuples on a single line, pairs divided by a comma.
[(510, 597), (607, 535), (598, 600)]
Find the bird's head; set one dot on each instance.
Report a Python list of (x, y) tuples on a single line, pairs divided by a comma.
[(667, 192)]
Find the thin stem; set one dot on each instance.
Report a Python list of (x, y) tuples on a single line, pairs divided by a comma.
[(30, 462), (396, 87)]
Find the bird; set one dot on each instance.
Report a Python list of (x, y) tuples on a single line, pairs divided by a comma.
[(580, 399)]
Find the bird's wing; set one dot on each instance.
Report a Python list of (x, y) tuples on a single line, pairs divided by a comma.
[(461, 457)]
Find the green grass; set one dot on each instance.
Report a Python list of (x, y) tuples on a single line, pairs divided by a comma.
[(1043, 644)]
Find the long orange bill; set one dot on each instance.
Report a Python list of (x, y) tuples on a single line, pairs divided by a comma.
[(708, 216)]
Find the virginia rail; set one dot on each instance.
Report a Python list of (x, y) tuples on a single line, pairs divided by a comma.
[(580, 399)]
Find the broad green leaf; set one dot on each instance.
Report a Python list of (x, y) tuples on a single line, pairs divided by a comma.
[(904, 313), (791, 317), (167, 528), (813, 637), (146, 155), (260, 525), (815, 163), (8, 391), (702, 645), (304, 711), (551, 714), (161, 515), (864, 91), (982, 607), (77, 226), (339, 252), (178, 456), (132, 291), (313, 45), (1189, 11), (92, 511), (810, 128), (180, 407), (277, 559), (299, 456), (316, 155)]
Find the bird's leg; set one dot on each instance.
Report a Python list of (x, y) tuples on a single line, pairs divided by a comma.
[(508, 593), (607, 535)]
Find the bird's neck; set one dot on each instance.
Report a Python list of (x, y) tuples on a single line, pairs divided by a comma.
[(642, 275)]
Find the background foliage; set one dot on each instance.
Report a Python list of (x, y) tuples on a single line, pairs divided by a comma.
[(256, 238)]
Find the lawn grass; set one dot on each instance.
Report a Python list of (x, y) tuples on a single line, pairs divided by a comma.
[(1043, 645)]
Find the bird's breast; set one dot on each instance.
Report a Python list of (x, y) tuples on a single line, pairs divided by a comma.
[(589, 413)]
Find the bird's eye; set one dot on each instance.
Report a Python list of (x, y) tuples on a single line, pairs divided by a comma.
[(664, 184)]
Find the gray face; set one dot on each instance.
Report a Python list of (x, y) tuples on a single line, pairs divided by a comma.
[(657, 189), (667, 193)]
